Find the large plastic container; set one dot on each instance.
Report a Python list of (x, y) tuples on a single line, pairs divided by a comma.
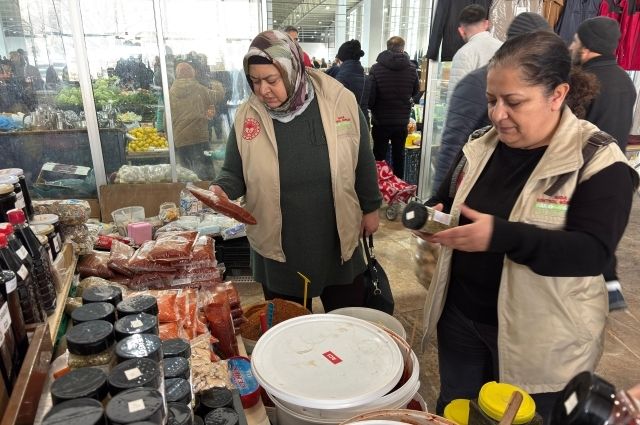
[(374, 316), (400, 415), (123, 216)]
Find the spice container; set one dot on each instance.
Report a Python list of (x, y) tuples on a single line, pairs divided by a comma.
[(176, 367), (17, 189), (417, 216), (102, 293), (88, 382), (179, 414), (8, 289), (94, 311), (81, 411), (135, 373), (214, 398), (176, 347), (177, 390), (139, 346), (136, 405), (19, 173), (141, 323), (222, 416), (53, 220), (91, 344), (138, 304)]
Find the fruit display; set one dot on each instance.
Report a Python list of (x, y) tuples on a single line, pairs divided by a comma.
[(128, 117), (144, 139)]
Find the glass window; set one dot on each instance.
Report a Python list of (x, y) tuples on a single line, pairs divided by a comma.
[(41, 115)]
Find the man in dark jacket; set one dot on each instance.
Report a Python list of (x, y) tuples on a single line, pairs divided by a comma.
[(350, 73), (593, 47), (394, 84)]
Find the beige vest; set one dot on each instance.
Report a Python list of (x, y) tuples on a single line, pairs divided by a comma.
[(259, 152), (549, 328)]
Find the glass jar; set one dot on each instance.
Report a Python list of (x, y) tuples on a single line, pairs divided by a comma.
[(136, 405), (90, 344), (17, 189), (53, 220), (135, 373), (81, 411), (86, 382), (19, 172), (7, 200), (48, 232), (138, 304), (141, 323), (94, 311), (102, 293)]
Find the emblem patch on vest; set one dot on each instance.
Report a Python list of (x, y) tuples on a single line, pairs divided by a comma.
[(251, 129), (343, 122), (553, 207)]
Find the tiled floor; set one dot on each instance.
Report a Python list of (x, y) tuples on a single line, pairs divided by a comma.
[(395, 249)]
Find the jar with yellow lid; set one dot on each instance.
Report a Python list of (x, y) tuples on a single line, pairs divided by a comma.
[(492, 403), (458, 411)]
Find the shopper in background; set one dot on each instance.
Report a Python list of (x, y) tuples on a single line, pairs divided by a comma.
[(467, 109), (293, 33), (479, 44), (518, 295), (351, 73), (394, 86), (300, 156), (192, 106), (593, 47)]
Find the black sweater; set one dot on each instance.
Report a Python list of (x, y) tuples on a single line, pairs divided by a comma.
[(595, 222)]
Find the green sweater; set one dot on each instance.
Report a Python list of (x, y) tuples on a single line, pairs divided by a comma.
[(309, 235)]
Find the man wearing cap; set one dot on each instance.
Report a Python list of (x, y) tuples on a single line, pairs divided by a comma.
[(611, 110), (349, 71)]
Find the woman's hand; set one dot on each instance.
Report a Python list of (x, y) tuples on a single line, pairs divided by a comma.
[(474, 237), (217, 190), (370, 223)]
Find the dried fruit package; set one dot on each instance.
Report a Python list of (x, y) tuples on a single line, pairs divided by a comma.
[(207, 370), (220, 203), (141, 262), (119, 258), (173, 246), (95, 264)]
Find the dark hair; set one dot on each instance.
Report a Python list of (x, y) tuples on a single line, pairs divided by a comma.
[(472, 14), (291, 28), (543, 59), (395, 44)]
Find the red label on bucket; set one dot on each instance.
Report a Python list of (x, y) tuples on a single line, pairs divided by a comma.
[(332, 357)]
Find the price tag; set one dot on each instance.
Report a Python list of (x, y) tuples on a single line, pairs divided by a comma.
[(23, 272), (11, 285), (22, 253), (136, 324), (5, 318), (57, 242), (441, 217), (20, 201), (132, 374), (136, 406)]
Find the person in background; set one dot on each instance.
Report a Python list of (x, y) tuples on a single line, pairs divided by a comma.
[(52, 80), (293, 33), (315, 62), (467, 109), (479, 44), (394, 86), (192, 106), (299, 154), (518, 295), (323, 64), (611, 110), (351, 73), (24, 70)]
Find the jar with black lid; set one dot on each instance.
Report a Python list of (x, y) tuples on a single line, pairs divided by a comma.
[(197, 420), (176, 367), (141, 323), (139, 346), (53, 220), (17, 189), (94, 311), (177, 390), (176, 347), (19, 173), (135, 373), (90, 344), (136, 405), (102, 293), (214, 398), (222, 416), (179, 414), (138, 304), (81, 411), (7, 200), (8, 289), (87, 382)]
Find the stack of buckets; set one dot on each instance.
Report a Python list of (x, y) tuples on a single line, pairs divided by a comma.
[(324, 369)]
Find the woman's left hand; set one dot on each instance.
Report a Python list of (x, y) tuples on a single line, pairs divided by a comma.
[(474, 237), (370, 223)]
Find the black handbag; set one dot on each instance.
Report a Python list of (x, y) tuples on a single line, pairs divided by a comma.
[(376, 283)]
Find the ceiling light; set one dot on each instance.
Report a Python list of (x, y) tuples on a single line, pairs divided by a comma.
[(327, 7), (297, 16), (320, 22), (275, 22), (322, 34)]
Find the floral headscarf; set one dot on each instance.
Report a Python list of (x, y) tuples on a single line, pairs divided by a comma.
[(286, 55)]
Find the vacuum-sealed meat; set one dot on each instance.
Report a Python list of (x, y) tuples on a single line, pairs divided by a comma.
[(220, 203)]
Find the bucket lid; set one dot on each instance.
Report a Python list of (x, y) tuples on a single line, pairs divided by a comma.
[(12, 171), (8, 179), (458, 411), (45, 219), (327, 361), (494, 398)]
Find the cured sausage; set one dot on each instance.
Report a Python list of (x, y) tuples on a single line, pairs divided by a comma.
[(222, 205)]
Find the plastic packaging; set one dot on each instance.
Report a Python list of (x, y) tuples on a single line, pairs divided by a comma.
[(160, 173), (136, 405), (141, 323), (81, 411), (138, 304), (119, 258), (242, 378), (173, 246), (90, 344), (218, 315), (139, 232), (70, 211), (169, 330), (123, 216), (95, 264), (152, 280), (142, 262), (94, 311), (86, 382), (220, 203), (135, 373)]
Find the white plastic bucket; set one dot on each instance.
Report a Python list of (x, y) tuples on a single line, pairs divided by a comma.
[(376, 317), (401, 415)]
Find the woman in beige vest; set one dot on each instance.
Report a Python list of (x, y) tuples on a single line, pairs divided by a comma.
[(518, 294)]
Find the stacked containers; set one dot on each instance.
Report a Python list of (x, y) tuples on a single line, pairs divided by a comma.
[(19, 173)]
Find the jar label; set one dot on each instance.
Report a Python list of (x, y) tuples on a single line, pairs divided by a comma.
[(132, 374), (23, 272), (22, 253), (5, 321), (441, 217), (136, 405), (11, 285), (136, 323), (20, 201), (56, 243)]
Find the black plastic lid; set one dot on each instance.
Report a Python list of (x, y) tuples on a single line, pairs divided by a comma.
[(176, 367), (197, 420), (90, 337), (138, 304), (86, 382), (414, 215), (94, 311), (214, 398), (103, 293), (135, 405), (139, 346), (141, 323), (81, 411), (222, 416), (134, 373), (176, 347), (177, 390), (586, 400), (179, 414)]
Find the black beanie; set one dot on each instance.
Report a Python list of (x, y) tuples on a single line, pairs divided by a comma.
[(350, 50), (600, 35), (527, 22)]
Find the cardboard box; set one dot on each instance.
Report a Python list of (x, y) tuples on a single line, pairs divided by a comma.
[(149, 196)]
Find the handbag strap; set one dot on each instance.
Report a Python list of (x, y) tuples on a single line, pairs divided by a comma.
[(371, 263)]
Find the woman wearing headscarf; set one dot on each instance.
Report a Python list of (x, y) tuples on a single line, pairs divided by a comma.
[(299, 154)]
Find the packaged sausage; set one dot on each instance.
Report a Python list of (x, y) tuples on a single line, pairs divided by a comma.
[(95, 264), (142, 262), (173, 246), (220, 203), (119, 258)]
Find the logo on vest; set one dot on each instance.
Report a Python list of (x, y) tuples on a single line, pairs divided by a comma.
[(551, 207), (251, 129), (343, 121)]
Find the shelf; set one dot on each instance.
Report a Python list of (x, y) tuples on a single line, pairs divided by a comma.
[(64, 268)]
